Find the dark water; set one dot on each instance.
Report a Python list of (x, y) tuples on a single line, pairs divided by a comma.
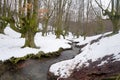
[(37, 69)]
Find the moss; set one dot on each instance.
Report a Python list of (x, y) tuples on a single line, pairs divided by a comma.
[(15, 60), (117, 77), (30, 56), (60, 50), (45, 55), (39, 55), (109, 79)]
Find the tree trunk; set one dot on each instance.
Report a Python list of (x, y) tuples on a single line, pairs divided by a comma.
[(29, 39), (2, 27), (113, 14), (45, 26), (1, 30), (31, 25), (115, 26)]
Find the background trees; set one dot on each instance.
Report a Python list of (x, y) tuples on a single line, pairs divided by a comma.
[(4, 10), (80, 17), (61, 17), (23, 18)]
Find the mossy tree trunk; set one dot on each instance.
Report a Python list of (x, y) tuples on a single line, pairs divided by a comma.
[(115, 18), (23, 20), (3, 25), (31, 25), (29, 39), (115, 25)]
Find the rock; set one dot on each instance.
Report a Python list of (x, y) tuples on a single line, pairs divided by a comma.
[(106, 71), (95, 72), (51, 76)]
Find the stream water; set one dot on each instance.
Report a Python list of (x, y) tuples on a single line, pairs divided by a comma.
[(37, 69)]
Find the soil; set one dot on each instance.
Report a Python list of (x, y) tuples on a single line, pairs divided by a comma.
[(107, 71)]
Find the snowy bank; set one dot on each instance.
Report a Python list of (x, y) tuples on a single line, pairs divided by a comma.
[(11, 43), (103, 47)]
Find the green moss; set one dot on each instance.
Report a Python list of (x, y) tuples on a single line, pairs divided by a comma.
[(30, 56), (117, 77), (39, 55), (16, 60), (109, 79)]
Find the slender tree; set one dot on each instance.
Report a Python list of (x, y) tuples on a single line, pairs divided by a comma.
[(59, 17), (48, 12), (67, 18)]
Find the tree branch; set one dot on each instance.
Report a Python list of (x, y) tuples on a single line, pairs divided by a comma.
[(99, 5)]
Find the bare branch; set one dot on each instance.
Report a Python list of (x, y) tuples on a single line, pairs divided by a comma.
[(99, 5), (109, 4)]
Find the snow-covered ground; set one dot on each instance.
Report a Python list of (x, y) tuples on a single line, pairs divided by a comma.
[(11, 43), (105, 46)]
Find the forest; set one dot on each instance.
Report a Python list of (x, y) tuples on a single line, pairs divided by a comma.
[(35, 30), (24, 17)]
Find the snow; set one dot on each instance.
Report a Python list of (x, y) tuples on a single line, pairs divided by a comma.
[(11, 43), (105, 46), (50, 43), (102, 63), (104, 3)]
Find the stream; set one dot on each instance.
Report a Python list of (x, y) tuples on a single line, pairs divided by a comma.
[(37, 69)]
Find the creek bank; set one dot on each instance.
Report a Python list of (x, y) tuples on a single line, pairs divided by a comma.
[(33, 68), (39, 55), (98, 65), (107, 71), (106, 68)]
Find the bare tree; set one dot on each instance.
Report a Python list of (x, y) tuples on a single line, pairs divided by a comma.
[(113, 13), (60, 15), (49, 8), (67, 18)]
